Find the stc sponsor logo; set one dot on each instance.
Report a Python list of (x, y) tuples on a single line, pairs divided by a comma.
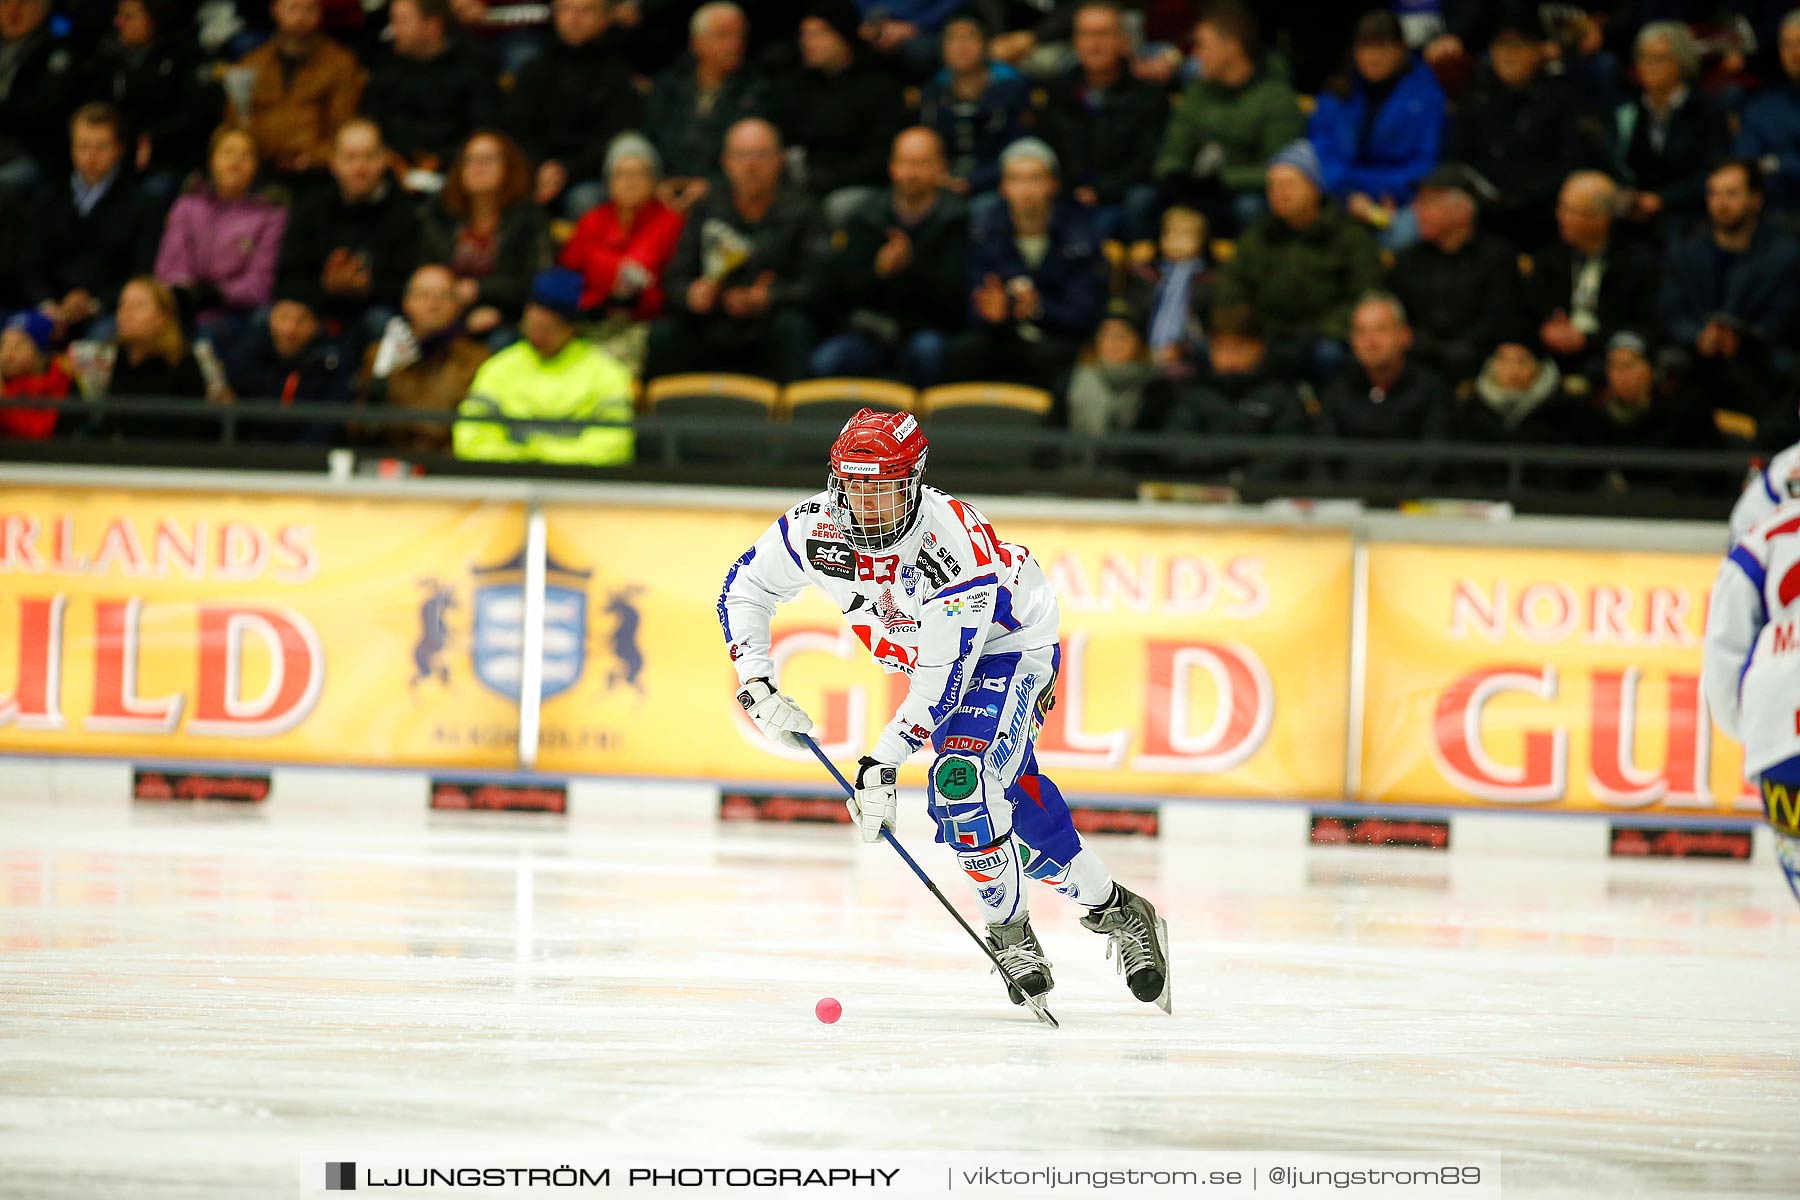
[(835, 559)]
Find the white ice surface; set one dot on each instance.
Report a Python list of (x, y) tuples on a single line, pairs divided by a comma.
[(193, 1001)]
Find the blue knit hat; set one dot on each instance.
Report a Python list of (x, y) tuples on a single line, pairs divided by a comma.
[(1301, 156), (559, 290), (34, 325)]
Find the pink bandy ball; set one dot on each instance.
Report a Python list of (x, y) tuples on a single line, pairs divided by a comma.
[(828, 1010)]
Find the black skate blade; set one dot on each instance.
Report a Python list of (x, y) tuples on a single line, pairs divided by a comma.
[(1162, 940)]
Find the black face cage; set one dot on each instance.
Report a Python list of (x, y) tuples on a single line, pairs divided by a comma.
[(893, 520)]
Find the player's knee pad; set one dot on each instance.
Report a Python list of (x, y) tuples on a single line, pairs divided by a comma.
[(960, 803), (994, 873)]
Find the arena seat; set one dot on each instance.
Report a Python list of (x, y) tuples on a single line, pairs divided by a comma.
[(985, 404), (708, 394), (834, 401), (988, 408)]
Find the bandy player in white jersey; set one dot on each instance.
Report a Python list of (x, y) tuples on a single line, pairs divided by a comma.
[(932, 592), (1751, 673)]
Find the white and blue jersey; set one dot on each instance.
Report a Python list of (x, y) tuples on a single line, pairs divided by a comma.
[(931, 606)]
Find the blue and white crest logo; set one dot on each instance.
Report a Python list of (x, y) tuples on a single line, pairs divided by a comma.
[(497, 640)]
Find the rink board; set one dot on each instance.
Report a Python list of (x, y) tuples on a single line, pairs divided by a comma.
[(249, 619)]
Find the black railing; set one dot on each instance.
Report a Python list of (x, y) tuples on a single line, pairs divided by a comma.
[(734, 450)]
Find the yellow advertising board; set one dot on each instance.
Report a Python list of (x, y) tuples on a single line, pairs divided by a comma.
[(259, 628), (1196, 661), (1542, 679)]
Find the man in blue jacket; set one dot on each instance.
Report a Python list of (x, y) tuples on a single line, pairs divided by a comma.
[(1035, 278), (1380, 137)]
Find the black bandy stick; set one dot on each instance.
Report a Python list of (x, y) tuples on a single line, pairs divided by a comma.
[(1037, 1006)]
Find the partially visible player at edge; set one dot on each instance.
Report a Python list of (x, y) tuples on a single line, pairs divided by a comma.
[(1751, 671), (931, 591), (1774, 485)]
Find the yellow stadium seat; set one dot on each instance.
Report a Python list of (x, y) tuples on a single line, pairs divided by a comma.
[(834, 401), (986, 403), (993, 409), (703, 394), (1736, 425)]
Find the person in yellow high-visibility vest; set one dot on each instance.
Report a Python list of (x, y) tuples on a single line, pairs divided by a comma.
[(549, 375)]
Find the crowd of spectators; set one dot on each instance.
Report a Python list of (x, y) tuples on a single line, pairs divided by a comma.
[(1480, 220)]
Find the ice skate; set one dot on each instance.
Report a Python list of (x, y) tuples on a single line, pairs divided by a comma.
[(1139, 940), (1020, 952)]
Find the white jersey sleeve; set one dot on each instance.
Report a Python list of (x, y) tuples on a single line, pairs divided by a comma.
[(1732, 623), (766, 576)]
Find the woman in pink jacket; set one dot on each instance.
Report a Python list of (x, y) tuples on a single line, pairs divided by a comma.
[(220, 244)]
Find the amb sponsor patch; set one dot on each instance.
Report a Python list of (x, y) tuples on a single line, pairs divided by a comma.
[(957, 778)]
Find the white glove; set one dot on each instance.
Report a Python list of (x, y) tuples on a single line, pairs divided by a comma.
[(876, 801), (779, 718)]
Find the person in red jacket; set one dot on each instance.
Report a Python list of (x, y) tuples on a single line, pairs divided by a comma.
[(622, 247), (28, 371)]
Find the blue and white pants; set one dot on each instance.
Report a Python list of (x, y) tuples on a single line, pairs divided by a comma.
[(1006, 820)]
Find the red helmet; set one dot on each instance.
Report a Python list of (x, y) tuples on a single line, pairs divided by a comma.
[(876, 448)]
